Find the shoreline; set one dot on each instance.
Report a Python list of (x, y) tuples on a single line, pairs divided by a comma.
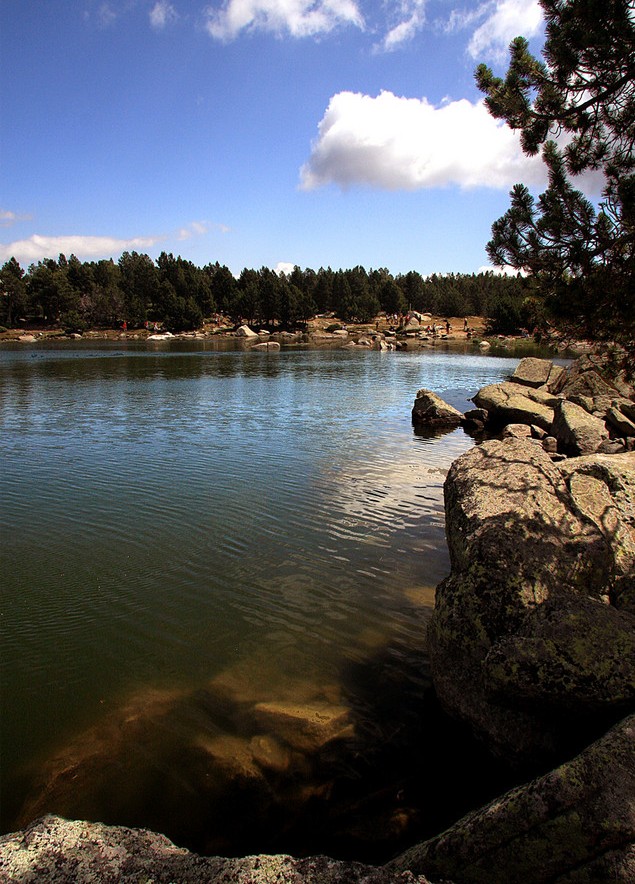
[(350, 335)]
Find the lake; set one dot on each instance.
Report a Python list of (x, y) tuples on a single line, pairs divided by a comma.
[(217, 571)]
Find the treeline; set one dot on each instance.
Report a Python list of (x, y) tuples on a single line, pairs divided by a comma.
[(176, 293)]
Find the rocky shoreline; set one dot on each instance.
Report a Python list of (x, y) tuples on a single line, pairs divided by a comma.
[(532, 645)]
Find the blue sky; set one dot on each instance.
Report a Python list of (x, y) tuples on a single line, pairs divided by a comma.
[(257, 132)]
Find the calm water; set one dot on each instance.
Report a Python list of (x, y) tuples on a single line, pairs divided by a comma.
[(187, 535)]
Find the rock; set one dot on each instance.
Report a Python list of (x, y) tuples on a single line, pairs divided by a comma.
[(612, 446), (27, 339), (550, 444), (628, 408), (532, 372), (58, 851), (620, 422), (602, 489), (516, 431), (527, 642), (306, 727), (245, 332), (430, 410), (233, 755), (576, 824), (267, 346), (577, 431), (587, 383), (475, 419), (269, 753), (510, 403), (484, 345), (556, 377)]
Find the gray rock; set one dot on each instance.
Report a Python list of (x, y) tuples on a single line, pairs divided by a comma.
[(576, 824), (510, 403), (532, 372), (612, 446), (267, 346), (620, 422), (430, 410), (586, 402), (550, 444), (628, 408), (556, 377), (587, 383), (516, 431), (245, 332), (602, 489), (58, 851), (577, 431), (527, 642), (475, 419)]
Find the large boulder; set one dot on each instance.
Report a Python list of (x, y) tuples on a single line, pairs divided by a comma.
[(576, 824), (508, 403), (431, 411), (245, 332), (527, 642), (577, 431), (532, 372), (59, 851), (585, 407)]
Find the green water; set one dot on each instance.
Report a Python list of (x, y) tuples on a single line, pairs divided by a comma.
[(177, 521)]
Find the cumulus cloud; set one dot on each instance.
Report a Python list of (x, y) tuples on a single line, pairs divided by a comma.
[(299, 18), (162, 14), (412, 18), (397, 143), (284, 268), (504, 21), (36, 247)]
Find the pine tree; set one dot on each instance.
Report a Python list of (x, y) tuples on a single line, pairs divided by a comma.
[(578, 107)]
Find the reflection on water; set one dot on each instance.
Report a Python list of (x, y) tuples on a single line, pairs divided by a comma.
[(218, 568)]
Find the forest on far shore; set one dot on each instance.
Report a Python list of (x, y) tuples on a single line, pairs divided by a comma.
[(181, 296)]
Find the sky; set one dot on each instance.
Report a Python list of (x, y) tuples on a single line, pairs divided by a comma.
[(322, 133)]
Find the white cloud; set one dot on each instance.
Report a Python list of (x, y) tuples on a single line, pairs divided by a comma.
[(162, 14), (106, 15), (505, 20), (412, 18), (299, 18), (397, 143), (194, 228), (36, 247), (8, 218), (284, 268), (505, 270)]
